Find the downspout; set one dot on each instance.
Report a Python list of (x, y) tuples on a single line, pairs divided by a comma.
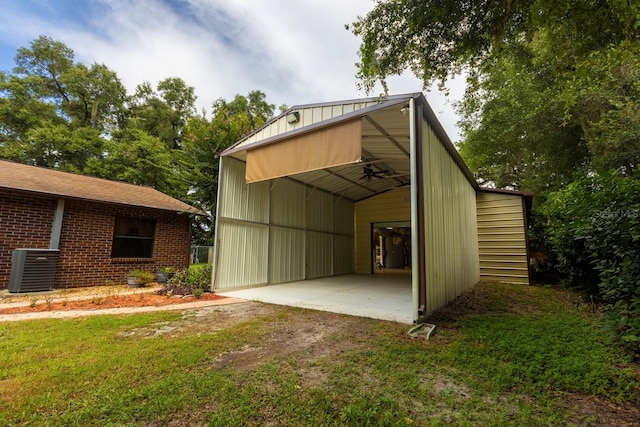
[(216, 241), (415, 271), (56, 226)]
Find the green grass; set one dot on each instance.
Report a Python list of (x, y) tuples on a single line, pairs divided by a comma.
[(513, 357)]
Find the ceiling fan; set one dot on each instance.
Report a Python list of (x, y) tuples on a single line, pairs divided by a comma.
[(369, 173)]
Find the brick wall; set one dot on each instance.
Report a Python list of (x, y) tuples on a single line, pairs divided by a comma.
[(25, 222), (85, 243)]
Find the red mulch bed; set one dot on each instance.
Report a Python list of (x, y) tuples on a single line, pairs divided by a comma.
[(115, 301)]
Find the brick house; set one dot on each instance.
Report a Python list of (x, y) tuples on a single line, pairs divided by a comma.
[(103, 229)]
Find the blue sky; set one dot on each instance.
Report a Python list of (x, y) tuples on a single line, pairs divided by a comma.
[(296, 52)]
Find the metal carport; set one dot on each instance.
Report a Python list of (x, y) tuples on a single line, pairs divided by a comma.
[(297, 199)]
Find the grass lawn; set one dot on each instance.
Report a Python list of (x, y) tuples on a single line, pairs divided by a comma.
[(502, 355)]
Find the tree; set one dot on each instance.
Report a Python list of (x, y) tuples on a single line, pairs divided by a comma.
[(162, 115), (84, 96), (165, 113), (55, 112), (435, 38), (551, 84), (516, 134), (60, 114), (20, 111), (136, 157), (206, 138), (438, 38)]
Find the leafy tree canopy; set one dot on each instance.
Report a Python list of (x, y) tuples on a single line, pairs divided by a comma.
[(205, 138), (552, 86), (163, 113), (57, 113)]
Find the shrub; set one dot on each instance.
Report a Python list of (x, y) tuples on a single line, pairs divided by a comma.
[(187, 281), (142, 276), (594, 230)]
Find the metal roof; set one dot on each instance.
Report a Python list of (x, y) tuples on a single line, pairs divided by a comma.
[(50, 182), (385, 143)]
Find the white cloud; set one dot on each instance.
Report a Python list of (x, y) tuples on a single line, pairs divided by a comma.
[(295, 52)]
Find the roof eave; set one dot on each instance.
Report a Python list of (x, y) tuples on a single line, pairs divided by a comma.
[(191, 210), (384, 103), (506, 191)]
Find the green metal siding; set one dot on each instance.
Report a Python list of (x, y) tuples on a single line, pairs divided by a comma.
[(502, 238), (451, 237), (279, 231)]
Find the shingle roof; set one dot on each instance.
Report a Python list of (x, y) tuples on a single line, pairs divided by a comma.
[(52, 182)]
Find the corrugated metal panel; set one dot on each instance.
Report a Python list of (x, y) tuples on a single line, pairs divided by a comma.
[(288, 205), (501, 238), (387, 207), (239, 200), (319, 255), (343, 216), (279, 231), (286, 255), (308, 116), (343, 253), (343, 241), (451, 238), (319, 210), (242, 231), (242, 254)]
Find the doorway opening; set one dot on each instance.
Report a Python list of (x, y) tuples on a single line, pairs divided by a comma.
[(391, 246)]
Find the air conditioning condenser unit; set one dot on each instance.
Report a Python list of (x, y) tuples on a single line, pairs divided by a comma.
[(33, 270)]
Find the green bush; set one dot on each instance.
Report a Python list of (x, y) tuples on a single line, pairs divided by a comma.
[(594, 230), (143, 277), (188, 281)]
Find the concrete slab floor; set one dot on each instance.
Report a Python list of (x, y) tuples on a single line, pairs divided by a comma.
[(386, 297)]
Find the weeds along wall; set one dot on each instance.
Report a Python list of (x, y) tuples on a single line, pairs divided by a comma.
[(86, 238), (278, 231)]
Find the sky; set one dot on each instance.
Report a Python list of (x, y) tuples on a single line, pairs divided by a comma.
[(296, 52)]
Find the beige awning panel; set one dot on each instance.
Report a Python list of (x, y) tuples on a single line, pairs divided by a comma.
[(336, 145)]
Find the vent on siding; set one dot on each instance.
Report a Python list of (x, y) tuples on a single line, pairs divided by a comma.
[(33, 270)]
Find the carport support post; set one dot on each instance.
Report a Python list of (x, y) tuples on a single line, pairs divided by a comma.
[(415, 273), (216, 236)]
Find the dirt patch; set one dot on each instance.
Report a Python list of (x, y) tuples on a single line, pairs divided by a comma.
[(593, 411), (443, 385), (102, 302), (300, 336), (207, 319)]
